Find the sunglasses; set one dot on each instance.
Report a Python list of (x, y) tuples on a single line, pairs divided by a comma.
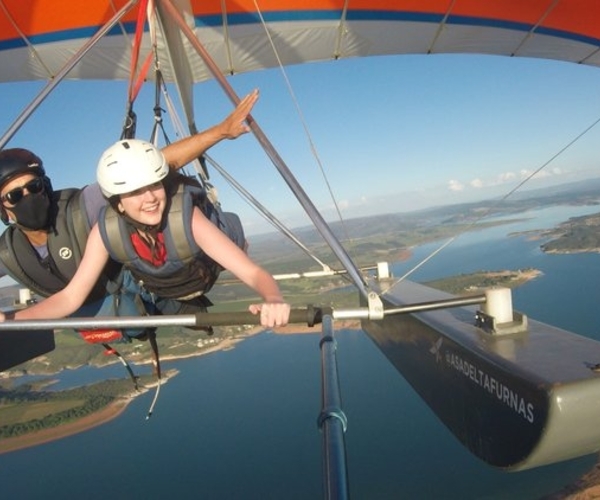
[(14, 196)]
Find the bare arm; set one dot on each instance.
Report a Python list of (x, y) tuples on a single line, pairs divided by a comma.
[(182, 152), (274, 312), (70, 298)]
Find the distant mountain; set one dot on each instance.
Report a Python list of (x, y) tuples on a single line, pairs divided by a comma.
[(585, 192), (578, 187)]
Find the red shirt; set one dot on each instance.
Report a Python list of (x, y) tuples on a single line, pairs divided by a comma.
[(155, 254)]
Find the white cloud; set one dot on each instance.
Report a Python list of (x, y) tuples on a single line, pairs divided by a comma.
[(343, 204), (525, 174), (505, 177), (455, 185)]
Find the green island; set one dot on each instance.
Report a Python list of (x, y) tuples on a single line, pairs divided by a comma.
[(577, 235), (480, 280), (29, 408)]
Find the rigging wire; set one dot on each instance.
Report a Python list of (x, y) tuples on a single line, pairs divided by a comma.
[(311, 143), (499, 201), (120, 23), (200, 169), (262, 210)]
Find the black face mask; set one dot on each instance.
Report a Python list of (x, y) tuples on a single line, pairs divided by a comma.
[(33, 211)]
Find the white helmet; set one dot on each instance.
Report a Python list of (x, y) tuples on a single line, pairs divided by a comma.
[(129, 165)]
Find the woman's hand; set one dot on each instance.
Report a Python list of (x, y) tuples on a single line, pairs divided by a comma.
[(272, 313)]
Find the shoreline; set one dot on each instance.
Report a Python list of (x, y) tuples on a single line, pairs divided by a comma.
[(86, 423), (115, 409)]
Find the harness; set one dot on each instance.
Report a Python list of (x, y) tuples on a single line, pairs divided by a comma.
[(187, 272), (66, 245)]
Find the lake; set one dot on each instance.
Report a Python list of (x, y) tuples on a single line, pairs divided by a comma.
[(242, 423)]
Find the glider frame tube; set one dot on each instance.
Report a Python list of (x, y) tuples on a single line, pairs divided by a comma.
[(516, 401)]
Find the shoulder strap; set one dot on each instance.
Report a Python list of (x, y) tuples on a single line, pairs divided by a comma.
[(110, 229), (179, 224), (78, 222)]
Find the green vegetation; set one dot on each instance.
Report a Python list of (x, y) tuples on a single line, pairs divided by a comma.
[(28, 409), (374, 239), (578, 234), (480, 280)]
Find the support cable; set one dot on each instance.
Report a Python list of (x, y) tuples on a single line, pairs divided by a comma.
[(271, 218), (311, 143)]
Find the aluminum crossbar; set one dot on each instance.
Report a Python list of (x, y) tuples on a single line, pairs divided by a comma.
[(310, 315)]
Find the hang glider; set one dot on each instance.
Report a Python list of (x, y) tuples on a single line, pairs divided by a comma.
[(442, 354)]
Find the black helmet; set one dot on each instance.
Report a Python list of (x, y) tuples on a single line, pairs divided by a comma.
[(19, 161)]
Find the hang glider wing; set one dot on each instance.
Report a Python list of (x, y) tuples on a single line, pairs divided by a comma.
[(38, 37)]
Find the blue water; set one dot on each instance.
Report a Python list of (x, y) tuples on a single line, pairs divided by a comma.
[(242, 423), (566, 295)]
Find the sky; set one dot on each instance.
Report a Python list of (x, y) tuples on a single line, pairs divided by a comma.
[(369, 135)]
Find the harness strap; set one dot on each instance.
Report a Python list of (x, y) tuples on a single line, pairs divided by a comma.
[(114, 235), (150, 335), (158, 121), (112, 350), (137, 42), (100, 336), (135, 85), (177, 229)]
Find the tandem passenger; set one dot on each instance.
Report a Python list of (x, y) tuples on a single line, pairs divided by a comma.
[(160, 227)]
